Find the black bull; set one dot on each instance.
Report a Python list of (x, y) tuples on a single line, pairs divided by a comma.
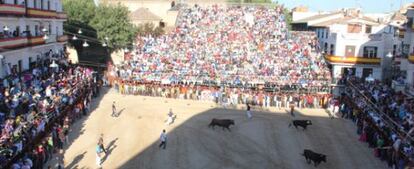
[(224, 123), (316, 158), (302, 123)]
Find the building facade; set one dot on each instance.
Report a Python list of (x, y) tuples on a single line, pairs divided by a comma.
[(29, 30), (407, 60), (354, 43)]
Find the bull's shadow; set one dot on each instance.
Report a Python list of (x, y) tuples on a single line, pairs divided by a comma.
[(265, 141)]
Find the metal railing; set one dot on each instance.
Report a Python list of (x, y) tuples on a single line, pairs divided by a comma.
[(392, 124)]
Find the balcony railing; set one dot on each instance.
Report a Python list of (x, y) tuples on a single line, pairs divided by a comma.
[(15, 42), (352, 60), (411, 58), (61, 15), (11, 9), (36, 40), (32, 12), (62, 38)]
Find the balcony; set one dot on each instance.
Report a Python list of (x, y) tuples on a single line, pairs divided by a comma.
[(38, 13), (35, 40), (11, 43), (411, 58), (352, 60), (61, 15), (62, 38), (11, 9)]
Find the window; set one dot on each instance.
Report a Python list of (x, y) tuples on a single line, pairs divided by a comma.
[(48, 5), (370, 52), (41, 4), (368, 29), (319, 33), (34, 3), (325, 47), (327, 33), (410, 22), (394, 50), (322, 33), (16, 2), (36, 30), (354, 28), (50, 29), (332, 51)]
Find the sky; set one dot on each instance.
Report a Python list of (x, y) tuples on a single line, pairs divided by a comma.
[(368, 6)]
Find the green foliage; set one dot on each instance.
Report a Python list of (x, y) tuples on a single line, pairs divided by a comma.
[(149, 29), (288, 17), (113, 22), (79, 10), (99, 22)]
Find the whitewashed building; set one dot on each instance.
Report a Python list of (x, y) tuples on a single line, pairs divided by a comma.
[(354, 43), (407, 60), (29, 29)]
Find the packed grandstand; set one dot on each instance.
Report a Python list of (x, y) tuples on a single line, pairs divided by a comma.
[(238, 46), (229, 45)]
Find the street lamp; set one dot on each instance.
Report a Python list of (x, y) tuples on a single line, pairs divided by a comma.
[(74, 37), (389, 55), (6, 28), (104, 44), (45, 37), (80, 31), (53, 65), (85, 44)]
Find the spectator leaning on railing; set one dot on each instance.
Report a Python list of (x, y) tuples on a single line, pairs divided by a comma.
[(384, 119), (34, 100)]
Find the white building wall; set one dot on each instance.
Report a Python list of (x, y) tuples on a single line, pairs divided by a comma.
[(12, 57)]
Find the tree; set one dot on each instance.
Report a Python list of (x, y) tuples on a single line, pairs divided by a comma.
[(79, 10), (113, 22), (149, 29), (80, 13), (288, 17)]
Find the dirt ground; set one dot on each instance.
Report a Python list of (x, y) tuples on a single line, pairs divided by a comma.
[(264, 142)]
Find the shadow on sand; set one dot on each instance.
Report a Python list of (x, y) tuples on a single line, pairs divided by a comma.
[(265, 141)]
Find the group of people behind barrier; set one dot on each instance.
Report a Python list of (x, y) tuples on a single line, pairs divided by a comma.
[(224, 95), (384, 119), (36, 108)]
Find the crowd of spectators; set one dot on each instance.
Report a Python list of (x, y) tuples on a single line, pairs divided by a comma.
[(384, 119), (37, 108), (237, 45), (226, 95)]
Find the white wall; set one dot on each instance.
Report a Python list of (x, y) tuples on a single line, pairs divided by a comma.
[(24, 54), (376, 71)]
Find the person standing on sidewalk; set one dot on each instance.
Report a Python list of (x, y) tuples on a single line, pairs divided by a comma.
[(163, 139)]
